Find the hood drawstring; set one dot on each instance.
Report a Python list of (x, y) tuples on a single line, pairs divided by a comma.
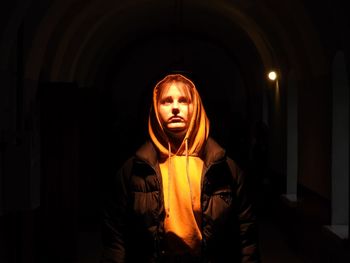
[(187, 173), (170, 175)]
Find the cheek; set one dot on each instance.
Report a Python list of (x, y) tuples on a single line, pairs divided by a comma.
[(163, 112), (184, 111)]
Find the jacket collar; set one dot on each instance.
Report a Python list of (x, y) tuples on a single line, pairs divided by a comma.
[(212, 153), (147, 152)]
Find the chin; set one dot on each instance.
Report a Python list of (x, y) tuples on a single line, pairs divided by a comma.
[(177, 132)]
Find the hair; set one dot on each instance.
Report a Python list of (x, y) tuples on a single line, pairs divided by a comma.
[(173, 78)]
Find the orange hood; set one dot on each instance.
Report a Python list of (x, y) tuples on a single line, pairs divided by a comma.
[(198, 129)]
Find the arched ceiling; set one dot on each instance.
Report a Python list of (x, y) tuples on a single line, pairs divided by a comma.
[(71, 39)]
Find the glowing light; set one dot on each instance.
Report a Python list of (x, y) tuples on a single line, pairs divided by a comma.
[(272, 75)]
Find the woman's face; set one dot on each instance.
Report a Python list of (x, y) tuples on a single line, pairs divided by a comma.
[(175, 108)]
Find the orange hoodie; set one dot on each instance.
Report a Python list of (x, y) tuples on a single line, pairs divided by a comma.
[(181, 172)]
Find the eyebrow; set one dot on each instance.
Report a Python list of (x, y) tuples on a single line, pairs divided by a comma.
[(165, 98)]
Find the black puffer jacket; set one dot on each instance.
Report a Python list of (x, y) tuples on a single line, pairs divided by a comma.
[(134, 213)]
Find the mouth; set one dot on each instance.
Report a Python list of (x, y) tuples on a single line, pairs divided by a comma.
[(176, 119)]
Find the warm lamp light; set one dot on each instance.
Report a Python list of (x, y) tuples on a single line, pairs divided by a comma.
[(272, 75)]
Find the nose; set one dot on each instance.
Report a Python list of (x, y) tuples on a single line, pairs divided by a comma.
[(175, 109)]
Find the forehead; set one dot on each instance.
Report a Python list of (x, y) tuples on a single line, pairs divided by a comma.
[(170, 88)]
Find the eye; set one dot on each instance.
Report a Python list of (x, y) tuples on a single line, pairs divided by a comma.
[(184, 100), (166, 100)]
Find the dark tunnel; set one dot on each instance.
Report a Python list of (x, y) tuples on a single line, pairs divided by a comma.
[(76, 90)]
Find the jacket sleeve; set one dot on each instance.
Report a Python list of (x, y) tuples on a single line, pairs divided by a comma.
[(114, 218), (246, 219)]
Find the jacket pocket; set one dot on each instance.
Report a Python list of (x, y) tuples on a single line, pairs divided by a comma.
[(225, 195), (220, 205)]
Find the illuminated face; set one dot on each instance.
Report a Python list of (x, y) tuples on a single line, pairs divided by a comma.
[(175, 108)]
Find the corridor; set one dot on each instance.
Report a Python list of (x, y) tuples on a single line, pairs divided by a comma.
[(76, 81)]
